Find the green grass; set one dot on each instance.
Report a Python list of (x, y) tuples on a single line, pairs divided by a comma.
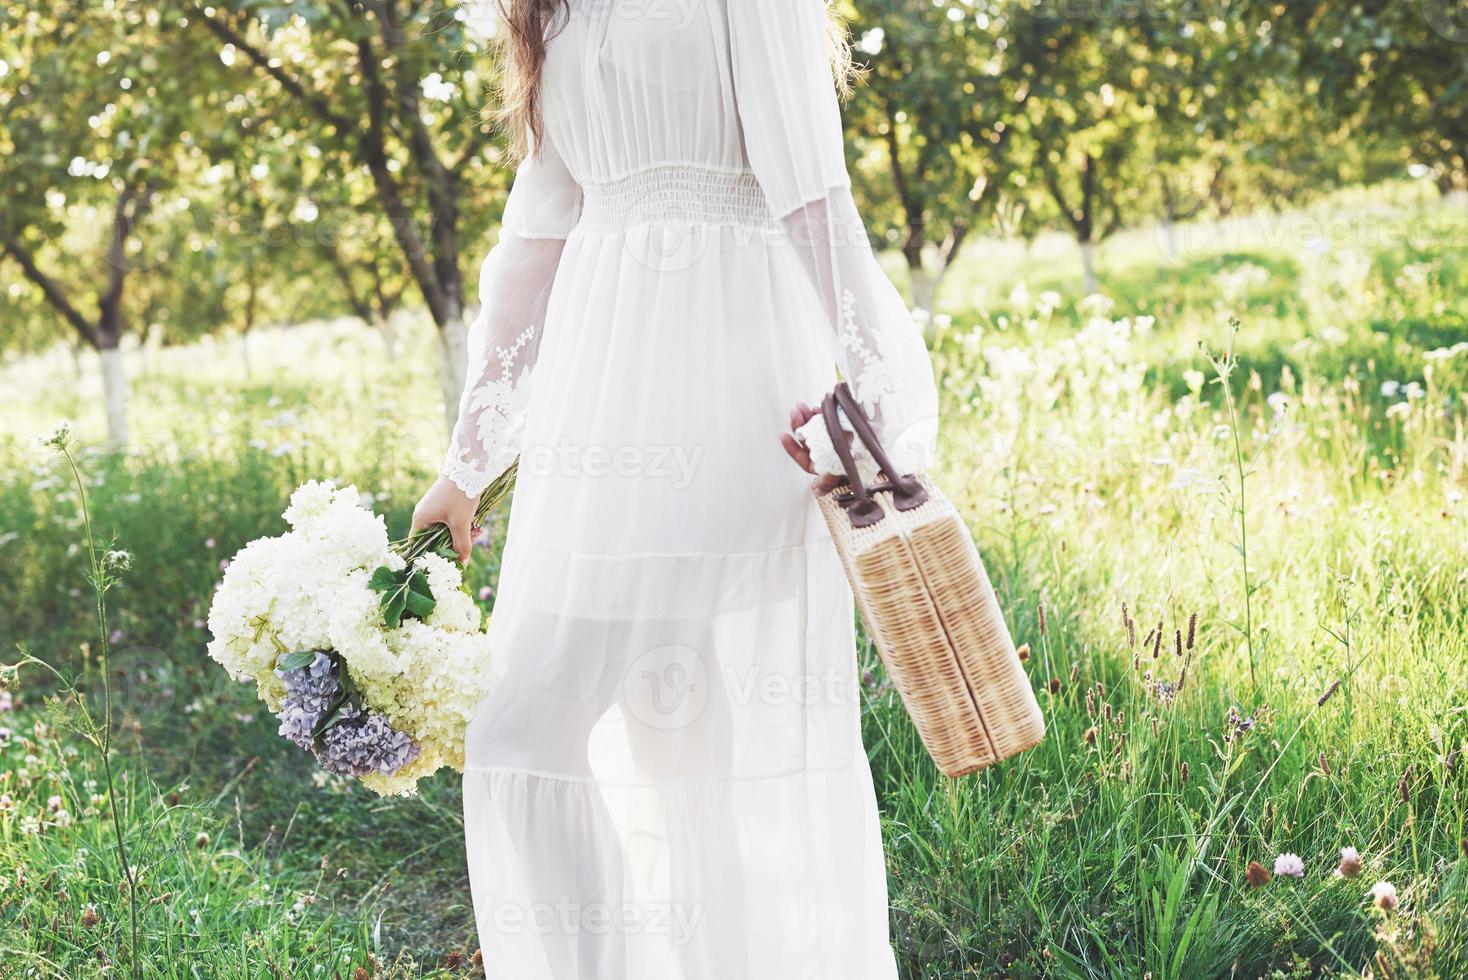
[(1097, 462)]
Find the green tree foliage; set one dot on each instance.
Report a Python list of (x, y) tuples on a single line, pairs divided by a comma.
[(392, 94), (182, 167), (930, 122), (96, 145), (1396, 72)]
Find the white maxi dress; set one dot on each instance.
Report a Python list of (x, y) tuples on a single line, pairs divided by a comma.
[(667, 781)]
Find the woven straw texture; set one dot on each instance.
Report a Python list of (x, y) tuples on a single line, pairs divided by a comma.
[(933, 615)]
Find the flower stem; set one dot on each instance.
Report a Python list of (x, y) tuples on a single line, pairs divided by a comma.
[(103, 737), (1225, 369)]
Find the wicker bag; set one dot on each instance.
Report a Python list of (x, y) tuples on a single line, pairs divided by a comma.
[(928, 605)]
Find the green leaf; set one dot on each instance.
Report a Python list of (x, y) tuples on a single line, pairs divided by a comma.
[(393, 605), (328, 723), (297, 660), (331, 716), (420, 605), (383, 578)]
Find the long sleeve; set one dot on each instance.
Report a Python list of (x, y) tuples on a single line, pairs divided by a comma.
[(514, 290), (791, 121)]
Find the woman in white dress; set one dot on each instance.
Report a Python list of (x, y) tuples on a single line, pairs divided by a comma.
[(668, 780)]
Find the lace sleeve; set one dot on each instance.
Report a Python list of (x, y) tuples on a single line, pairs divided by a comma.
[(792, 129), (514, 291)]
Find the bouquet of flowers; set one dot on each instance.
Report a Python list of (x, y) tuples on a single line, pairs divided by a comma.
[(372, 654)]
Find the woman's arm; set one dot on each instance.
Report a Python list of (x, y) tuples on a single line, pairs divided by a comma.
[(514, 290), (792, 131)]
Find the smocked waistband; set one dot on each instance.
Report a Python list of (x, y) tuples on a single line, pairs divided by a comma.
[(673, 194)]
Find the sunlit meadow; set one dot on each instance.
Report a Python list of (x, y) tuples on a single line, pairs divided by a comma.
[(1223, 504)]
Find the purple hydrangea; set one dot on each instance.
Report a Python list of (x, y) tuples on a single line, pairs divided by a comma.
[(309, 691), (365, 744), (358, 743)]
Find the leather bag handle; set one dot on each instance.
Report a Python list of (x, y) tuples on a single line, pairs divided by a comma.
[(907, 492), (860, 507)]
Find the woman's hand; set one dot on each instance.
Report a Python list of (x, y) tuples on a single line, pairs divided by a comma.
[(802, 414), (446, 504)]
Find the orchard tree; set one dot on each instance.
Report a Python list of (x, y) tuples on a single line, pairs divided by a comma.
[(930, 120), (355, 245), (392, 91), (94, 142), (1093, 74)]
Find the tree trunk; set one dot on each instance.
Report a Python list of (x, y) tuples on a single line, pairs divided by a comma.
[(923, 285), (1169, 239), (925, 280), (383, 324), (1088, 267), (251, 310), (114, 395), (245, 354), (453, 365)]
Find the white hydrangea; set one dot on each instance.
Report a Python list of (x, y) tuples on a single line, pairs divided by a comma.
[(455, 609), (356, 629)]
